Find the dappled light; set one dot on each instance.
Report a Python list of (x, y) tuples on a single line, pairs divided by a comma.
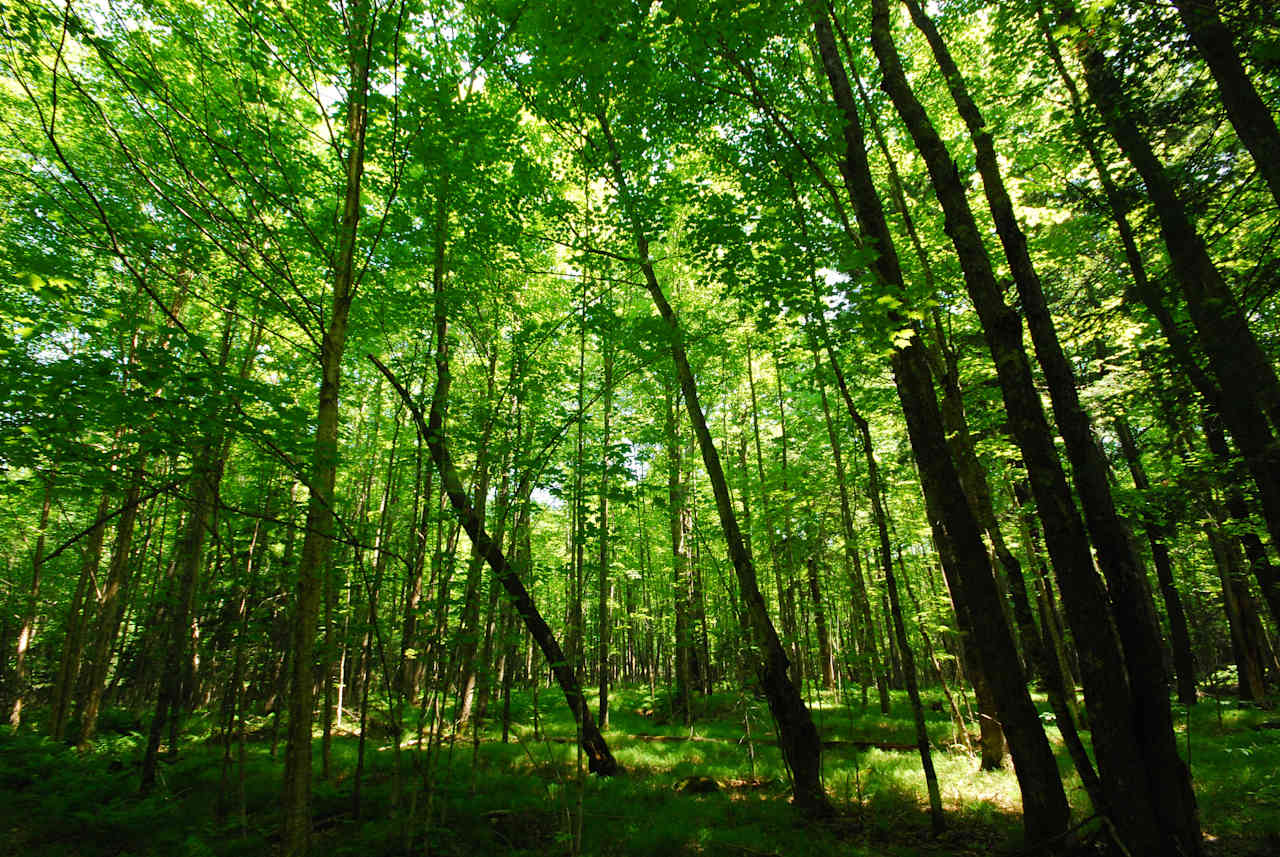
[(565, 428)]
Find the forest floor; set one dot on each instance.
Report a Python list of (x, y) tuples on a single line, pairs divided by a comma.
[(685, 791)]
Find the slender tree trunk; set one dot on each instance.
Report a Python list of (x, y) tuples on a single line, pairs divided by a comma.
[(469, 631), (767, 507), (678, 511), (899, 627), (1180, 638), (1248, 663), (602, 614), (599, 759), (826, 661), (206, 475), (1250, 399), (78, 622), (28, 627), (957, 719), (317, 544), (410, 669), (863, 629), (110, 608), (797, 737), (786, 582), (917, 708), (1255, 550)]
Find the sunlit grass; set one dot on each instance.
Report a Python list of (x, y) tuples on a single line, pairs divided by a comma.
[(525, 796)]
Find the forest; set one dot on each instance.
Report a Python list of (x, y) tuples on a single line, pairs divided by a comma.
[(556, 427)]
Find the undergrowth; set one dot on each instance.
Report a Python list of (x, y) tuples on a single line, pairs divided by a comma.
[(529, 797)]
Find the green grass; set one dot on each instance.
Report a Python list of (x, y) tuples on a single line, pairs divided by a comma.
[(526, 797)]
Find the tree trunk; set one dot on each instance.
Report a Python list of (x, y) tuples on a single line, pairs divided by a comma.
[(864, 632), (1045, 812), (469, 631), (1250, 391), (917, 709), (317, 544), (1180, 638), (599, 759), (78, 622), (1125, 773), (1249, 115), (602, 614), (206, 475), (797, 737), (110, 608), (1248, 661), (679, 517), (28, 627)]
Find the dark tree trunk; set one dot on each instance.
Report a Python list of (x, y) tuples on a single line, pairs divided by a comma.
[(1045, 811), (1243, 646), (78, 622), (1155, 766), (110, 609), (917, 708), (1180, 638), (797, 736), (599, 759), (1249, 401), (679, 521), (206, 476), (1252, 119)]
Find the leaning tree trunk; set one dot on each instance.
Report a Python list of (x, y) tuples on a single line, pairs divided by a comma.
[(1169, 804), (1250, 400), (1249, 114), (1045, 813), (599, 759), (1180, 637), (110, 608), (797, 736), (1169, 780)]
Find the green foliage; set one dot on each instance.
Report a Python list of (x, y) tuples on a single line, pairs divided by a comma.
[(519, 797)]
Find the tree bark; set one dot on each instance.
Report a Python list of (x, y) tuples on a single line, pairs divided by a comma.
[(797, 736), (110, 608), (1045, 810), (864, 631), (1249, 115), (1249, 401), (602, 614), (1159, 822), (28, 627), (937, 822), (317, 543), (1180, 638), (599, 759), (679, 524)]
